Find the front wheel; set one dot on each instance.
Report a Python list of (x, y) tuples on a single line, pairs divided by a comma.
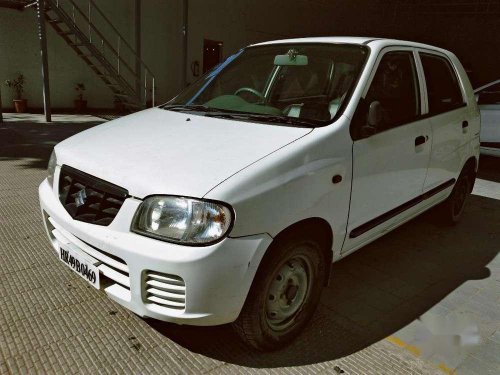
[(284, 295)]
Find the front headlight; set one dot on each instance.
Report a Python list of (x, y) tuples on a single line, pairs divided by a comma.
[(182, 220), (51, 168)]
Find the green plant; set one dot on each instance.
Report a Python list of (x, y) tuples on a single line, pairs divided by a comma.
[(16, 85), (80, 89)]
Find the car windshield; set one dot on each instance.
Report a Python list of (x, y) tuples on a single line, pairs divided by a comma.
[(295, 85)]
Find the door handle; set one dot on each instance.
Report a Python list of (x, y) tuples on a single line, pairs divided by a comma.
[(420, 140), (465, 124), (336, 179)]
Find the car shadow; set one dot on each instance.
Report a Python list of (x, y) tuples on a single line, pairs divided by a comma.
[(374, 292), (33, 142)]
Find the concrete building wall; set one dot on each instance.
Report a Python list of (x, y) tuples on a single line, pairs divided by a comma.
[(162, 45), (236, 23), (20, 53)]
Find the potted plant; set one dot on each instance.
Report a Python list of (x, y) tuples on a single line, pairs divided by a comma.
[(17, 86), (80, 103)]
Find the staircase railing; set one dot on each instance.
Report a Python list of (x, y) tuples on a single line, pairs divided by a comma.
[(91, 21)]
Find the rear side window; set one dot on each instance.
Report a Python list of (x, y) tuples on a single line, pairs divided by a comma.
[(443, 89)]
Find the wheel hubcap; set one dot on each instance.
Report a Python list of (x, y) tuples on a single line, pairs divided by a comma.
[(287, 293)]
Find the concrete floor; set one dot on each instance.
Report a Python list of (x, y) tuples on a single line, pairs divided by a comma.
[(423, 299)]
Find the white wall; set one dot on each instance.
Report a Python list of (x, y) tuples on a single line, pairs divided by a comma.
[(20, 52), (162, 44), (236, 23), (220, 20)]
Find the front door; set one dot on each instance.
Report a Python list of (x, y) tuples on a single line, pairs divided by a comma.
[(389, 167)]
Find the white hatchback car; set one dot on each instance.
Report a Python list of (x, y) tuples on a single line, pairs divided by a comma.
[(488, 98), (229, 203)]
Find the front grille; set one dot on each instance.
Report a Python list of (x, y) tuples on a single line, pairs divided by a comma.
[(165, 290), (88, 198), (113, 269)]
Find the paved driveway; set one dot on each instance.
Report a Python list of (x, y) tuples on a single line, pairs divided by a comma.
[(423, 299)]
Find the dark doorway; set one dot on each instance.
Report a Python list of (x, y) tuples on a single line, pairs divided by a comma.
[(212, 54)]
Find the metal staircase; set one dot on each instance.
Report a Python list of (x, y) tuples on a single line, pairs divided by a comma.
[(82, 25)]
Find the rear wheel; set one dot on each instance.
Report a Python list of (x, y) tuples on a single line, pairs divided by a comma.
[(453, 208), (284, 295)]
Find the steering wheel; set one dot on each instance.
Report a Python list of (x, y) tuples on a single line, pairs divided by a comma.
[(250, 90)]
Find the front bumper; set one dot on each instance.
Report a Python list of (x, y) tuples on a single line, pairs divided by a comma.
[(215, 279)]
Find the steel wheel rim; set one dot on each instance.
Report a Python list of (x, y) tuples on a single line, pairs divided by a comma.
[(288, 292)]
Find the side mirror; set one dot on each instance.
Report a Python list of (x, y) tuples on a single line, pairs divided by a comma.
[(374, 119)]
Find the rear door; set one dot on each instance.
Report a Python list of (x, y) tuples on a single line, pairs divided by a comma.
[(489, 105), (389, 167), (448, 114)]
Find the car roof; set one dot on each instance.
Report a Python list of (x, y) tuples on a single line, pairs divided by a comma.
[(371, 41), (324, 39)]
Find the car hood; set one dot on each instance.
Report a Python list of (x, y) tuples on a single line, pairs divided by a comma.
[(163, 152)]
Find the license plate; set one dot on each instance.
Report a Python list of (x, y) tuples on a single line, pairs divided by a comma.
[(80, 265)]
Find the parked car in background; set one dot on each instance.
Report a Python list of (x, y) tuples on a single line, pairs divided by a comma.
[(488, 99), (229, 203)]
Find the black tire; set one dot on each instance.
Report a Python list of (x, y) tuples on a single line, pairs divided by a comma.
[(260, 325), (453, 207)]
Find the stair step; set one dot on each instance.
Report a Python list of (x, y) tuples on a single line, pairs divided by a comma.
[(92, 56), (107, 77), (85, 55), (33, 4)]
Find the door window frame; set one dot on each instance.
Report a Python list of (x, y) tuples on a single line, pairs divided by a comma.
[(465, 99), (420, 82)]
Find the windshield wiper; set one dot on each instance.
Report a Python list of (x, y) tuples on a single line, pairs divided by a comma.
[(215, 112), (267, 118), (189, 107), (287, 120)]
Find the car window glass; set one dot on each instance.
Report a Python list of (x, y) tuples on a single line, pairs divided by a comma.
[(303, 81), (310, 82), (258, 68), (395, 87), (490, 95), (443, 90)]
